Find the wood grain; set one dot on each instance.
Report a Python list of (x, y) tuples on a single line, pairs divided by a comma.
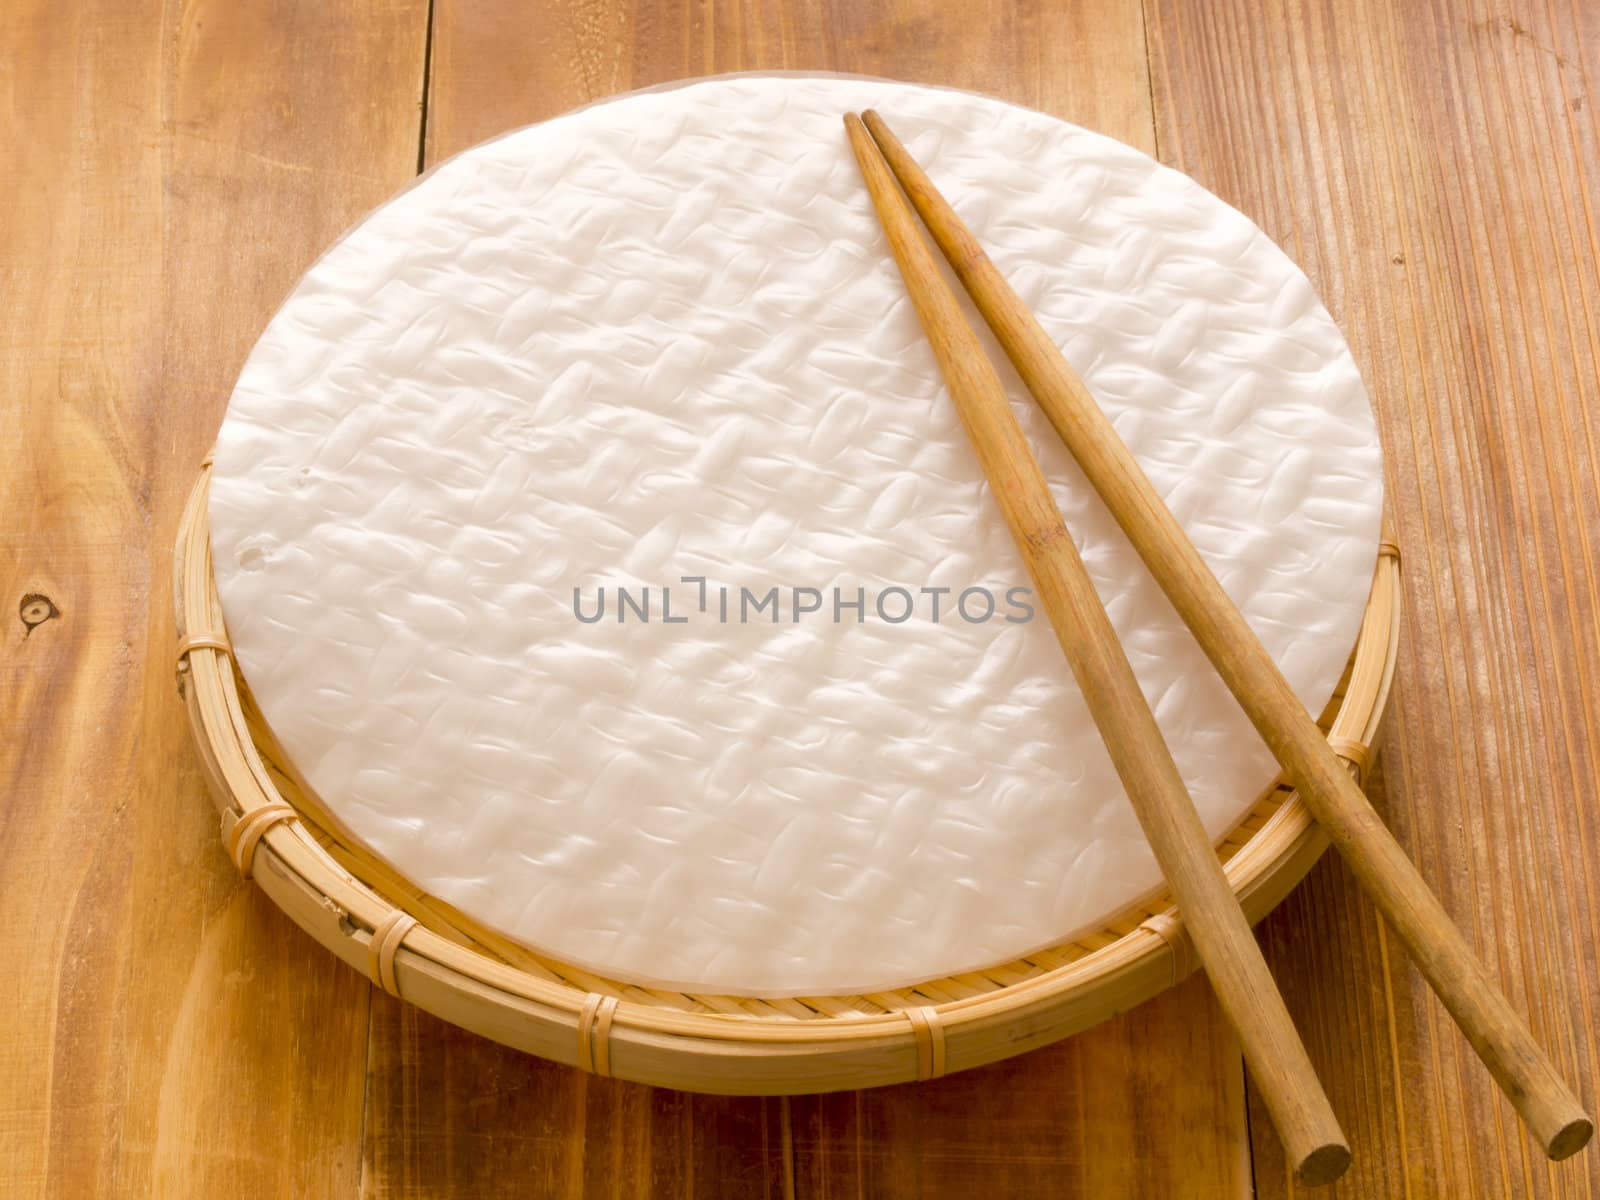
[(173, 174), (173, 168), (452, 1114), (1143, 1106), (1444, 210), (498, 63)]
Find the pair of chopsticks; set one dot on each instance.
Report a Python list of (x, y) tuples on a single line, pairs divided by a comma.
[(1227, 948)]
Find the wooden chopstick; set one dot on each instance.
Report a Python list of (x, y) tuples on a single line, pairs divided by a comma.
[(1494, 1028), (1222, 936)]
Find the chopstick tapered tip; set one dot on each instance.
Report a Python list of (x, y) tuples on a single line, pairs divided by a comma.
[(881, 133), (866, 150)]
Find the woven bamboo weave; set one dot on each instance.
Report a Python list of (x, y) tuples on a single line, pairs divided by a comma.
[(280, 836)]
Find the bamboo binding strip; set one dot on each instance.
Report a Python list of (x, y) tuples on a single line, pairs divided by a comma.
[(928, 1031), (385, 944), (1354, 752), (199, 641), (594, 1033), (727, 1044), (248, 831)]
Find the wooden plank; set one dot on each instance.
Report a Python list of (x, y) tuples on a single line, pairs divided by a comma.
[(500, 64), (453, 1114), (1152, 1104), (171, 174), (1433, 167)]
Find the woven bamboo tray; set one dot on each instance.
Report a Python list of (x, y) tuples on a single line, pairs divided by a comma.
[(422, 950)]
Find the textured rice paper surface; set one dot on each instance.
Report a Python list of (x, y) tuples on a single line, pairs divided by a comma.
[(663, 337)]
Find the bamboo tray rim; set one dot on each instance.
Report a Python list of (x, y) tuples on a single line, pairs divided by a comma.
[(462, 973)]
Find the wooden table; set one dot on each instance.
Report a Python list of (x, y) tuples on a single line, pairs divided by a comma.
[(172, 168)]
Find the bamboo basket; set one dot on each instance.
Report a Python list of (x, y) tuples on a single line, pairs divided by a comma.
[(420, 949)]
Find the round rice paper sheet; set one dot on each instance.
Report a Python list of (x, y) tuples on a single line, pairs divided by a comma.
[(654, 357)]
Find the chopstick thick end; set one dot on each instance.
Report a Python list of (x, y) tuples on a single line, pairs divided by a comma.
[(1570, 1138), (1323, 1165)]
